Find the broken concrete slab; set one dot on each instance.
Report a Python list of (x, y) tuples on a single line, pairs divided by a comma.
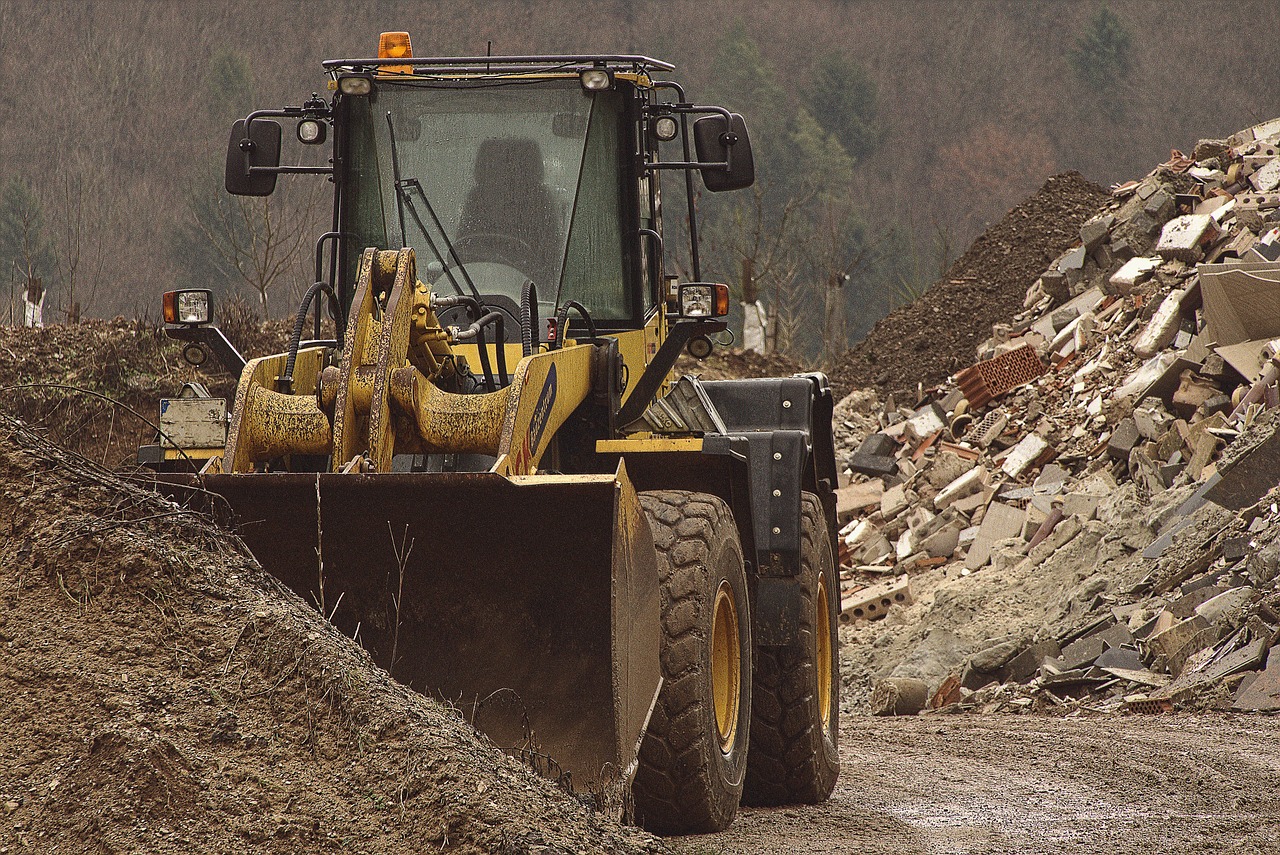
[(1169, 641), (1185, 238), (1263, 694), (964, 485), (1133, 273), (1159, 331), (899, 696), (1126, 658), (1241, 301), (1001, 522), (856, 498), (894, 501), (928, 421), (1031, 450), (1025, 665), (1249, 476), (1225, 604), (1192, 679), (946, 468)]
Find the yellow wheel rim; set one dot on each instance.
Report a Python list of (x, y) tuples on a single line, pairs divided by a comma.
[(726, 666), (824, 653)]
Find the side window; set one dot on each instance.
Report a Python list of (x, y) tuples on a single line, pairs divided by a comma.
[(594, 269), (362, 199)]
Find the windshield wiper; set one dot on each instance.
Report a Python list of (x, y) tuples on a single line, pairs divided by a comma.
[(403, 199)]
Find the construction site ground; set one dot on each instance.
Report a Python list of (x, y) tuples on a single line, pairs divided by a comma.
[(1005, 784), (160, 694)]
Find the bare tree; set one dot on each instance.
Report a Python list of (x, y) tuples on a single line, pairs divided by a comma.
[(83, 219), (264, 240)]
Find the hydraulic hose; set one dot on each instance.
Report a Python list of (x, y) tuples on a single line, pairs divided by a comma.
[(475, 330), (562, 321), (528, 318), (295, 339)]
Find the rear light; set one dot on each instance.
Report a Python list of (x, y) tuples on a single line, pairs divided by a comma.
[(704, 300), (190, 307)]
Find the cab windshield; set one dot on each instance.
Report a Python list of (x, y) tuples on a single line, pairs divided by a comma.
[(494, 185)]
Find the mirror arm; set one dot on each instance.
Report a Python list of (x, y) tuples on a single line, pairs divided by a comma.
[(291, 170), (694, 259)]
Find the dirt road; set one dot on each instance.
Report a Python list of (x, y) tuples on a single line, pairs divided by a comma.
[(1018, 784)]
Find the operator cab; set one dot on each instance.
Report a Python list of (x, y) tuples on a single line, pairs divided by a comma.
[(508, 176), (499, 184)]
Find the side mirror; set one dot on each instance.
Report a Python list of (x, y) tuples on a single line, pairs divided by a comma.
[(718, 141), (260, 148)]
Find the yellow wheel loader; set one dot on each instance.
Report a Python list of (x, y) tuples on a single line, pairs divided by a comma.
[(490, 477)]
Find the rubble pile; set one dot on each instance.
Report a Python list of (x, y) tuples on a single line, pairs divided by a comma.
[(1018, 520), (934, 335)]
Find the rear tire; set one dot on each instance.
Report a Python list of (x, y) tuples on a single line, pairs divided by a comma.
[(796, 702), (693, 759)]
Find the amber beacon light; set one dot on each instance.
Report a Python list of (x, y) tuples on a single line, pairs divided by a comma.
[(395, 46)]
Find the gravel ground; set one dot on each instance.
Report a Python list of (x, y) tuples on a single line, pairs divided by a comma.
[(963, 785)]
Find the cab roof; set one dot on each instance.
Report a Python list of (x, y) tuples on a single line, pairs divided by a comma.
[(501, 66)]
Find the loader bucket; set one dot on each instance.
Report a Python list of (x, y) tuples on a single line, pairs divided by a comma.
[(530, 603)]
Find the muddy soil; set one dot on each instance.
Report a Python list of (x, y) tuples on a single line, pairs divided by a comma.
[(1033, 785), (159, 693)]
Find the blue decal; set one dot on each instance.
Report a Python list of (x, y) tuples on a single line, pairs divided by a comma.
[(542, 412)]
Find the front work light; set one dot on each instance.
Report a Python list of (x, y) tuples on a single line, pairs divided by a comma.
[(596, 79), (665, 128), (311, 132), (395, 46), (704, 300), (190, 308), (355, 85)]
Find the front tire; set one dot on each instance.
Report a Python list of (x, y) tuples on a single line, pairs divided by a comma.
[(693, 759), (796, 704)]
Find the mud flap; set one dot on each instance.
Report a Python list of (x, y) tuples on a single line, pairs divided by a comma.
[(530, 603)]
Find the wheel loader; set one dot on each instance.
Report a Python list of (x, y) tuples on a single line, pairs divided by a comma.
[(490, 476)]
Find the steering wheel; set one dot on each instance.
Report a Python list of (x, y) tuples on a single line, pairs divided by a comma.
[(492, 246)]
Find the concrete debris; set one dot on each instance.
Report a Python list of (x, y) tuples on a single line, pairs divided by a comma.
[(875, 601), (899, 696), (1133, 388)]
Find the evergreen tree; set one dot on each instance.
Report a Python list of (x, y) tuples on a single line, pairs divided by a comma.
[(1101, 57), (25, 251), (842, 98), (230, 85)]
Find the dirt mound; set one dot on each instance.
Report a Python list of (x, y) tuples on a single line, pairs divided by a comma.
[(62, 379), (162, 694), (735, 364), (937, 334)]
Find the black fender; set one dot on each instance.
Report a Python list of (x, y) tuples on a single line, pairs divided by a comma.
[(779, 432)]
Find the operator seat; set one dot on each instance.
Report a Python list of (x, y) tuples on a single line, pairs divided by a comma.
[(510, 215)]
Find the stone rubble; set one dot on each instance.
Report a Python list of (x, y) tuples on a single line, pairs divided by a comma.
[(1104, 469)]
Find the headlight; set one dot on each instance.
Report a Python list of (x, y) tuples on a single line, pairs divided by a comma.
[(704, 300), (192, 307)]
